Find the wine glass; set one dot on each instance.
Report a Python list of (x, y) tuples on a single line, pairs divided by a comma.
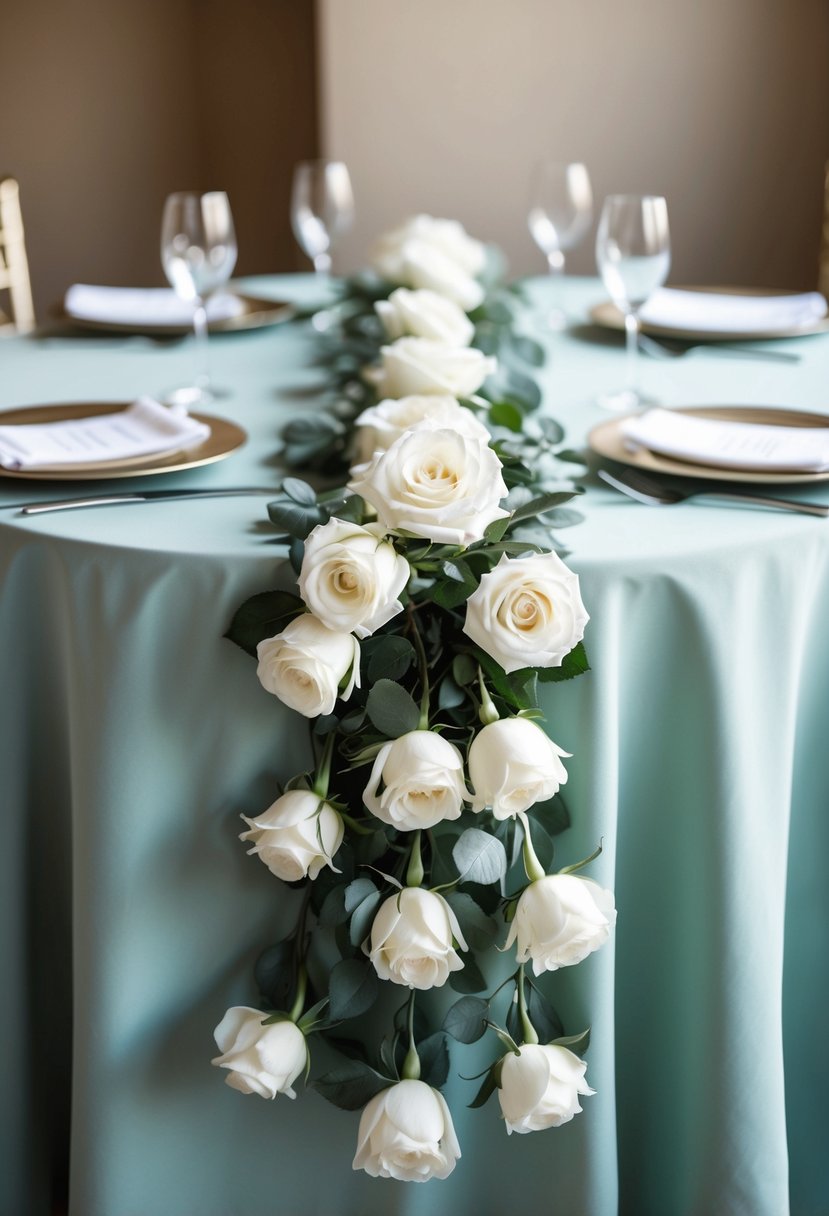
[(322, 208), (198, 253), (560, 213), (633, 253)]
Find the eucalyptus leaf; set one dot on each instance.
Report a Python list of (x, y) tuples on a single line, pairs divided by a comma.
[(434, 1059), (299, 491), (353, 988), (553, 815), (466, 1019), (392, 710), (449, 695), (528, 350), (356, 892), (390, 659), (480, 857), (469, 979), (294, 518), (362, 918), (478, 929), (464, 669), (541, 504), (351, 1084), (504, 413), (274, 973)]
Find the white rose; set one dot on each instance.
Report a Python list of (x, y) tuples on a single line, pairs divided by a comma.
[(449, 237), (296, 836), (306, 664), (429, 268), (263, 1060), (411, 939), (540, 1087), (559, 920), (424, 314), (527, 612), (422, 782), (406, 1132), (351, 577), (436, 484), (412, 366), (513, 764), (380, 425)]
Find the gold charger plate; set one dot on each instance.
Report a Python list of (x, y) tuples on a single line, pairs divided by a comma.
[(609, 316), (607, 439), (225, 438), (256, 314)]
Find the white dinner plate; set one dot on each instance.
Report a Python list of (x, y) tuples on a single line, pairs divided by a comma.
[(225, 438), (255, 314), (609, 316), (607, 439)]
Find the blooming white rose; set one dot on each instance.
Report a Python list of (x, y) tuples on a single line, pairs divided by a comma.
[(424, 314), (559, 920), (351, 577), (263, 1060), (513, 764), (527, 612), (436, 484), (412, 366), (540, 1087), (411, 939), (406, 1132), (296, 836), (426, 267), (380, 425), (422, 779), (306, 663), (449, 237)]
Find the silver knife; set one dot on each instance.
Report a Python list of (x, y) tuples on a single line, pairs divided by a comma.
[(115, 500)]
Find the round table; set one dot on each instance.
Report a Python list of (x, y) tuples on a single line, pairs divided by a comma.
[(134, 736)]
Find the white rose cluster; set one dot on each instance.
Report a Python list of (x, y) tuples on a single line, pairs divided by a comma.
[(433, 254)]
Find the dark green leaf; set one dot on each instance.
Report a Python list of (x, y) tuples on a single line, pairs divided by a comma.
[(449, 695), (496, 529), (478, 929), (434, 1059), (573, 1042), (273, 972), (552, 815), (392, 710), (480, 857), (537, 506), (466, 1019), (333, 911), (261, 617), (464, 669), (552, 431), (528, 350), (504, 413), (351, 1085), (390, 659), (575, 664), (295, 519), (488, 1087), (469, 979), (353, 988)]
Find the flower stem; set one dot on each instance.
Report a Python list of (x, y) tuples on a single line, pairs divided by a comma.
[(505, 1038), (414, 874), (423, 664), (324, 769), (533, 867), (299, 1001), (487, 713), (411, 1064), (529, 1031)]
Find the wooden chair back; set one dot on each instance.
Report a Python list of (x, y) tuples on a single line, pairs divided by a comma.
[(14, 267)]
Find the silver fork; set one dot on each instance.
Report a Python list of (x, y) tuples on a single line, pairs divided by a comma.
[(664, 349), (655, 494)]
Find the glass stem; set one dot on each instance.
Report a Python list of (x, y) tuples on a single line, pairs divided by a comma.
[(322, 263), (200, 330), (555, 262), (632, 347)]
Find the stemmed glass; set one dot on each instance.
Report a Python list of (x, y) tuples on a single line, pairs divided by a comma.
[(633, 252), (560, 213), (198, 253), (322, 208)]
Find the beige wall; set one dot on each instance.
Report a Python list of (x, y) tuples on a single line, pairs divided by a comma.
[(106, 106), (721, 105)]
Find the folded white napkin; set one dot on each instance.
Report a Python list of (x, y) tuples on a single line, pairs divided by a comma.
[(731, 445), (143, 305), (715, 312), (145, 428)]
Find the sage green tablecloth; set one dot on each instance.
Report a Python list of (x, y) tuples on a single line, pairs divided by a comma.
[(133, 736)]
